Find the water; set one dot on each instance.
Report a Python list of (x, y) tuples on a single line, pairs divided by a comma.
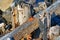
[(37, 1)]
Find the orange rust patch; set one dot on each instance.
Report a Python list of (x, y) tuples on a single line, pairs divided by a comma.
[(31, 19), (29, 37)]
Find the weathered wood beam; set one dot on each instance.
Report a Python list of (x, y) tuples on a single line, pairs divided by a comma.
[(20, 31)]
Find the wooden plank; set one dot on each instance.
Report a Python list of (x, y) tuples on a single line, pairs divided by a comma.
[(20, 31), (27, 30)]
